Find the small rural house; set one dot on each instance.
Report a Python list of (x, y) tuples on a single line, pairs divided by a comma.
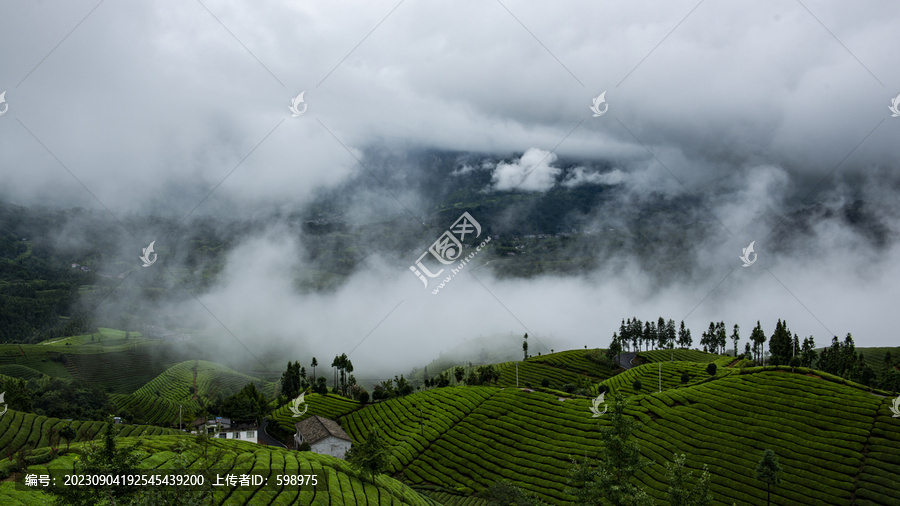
[(323, 435), (224, 428)]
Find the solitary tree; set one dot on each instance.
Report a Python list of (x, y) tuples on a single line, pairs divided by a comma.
[(769, 472), (680, 494), (458, 373), (735, 337), (649, 334), (684, 336), (759, 338), (525, 346), (711, 368), (313, 365), (671, 334), (67, 433), (661, 335), (780, 344), (615, 348), (370, 455), (721, 337)]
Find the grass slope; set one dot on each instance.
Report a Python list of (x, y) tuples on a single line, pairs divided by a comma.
[(328, 406), (344, 484), (835, 442), (682, 355), (18, 428), (649, 375), (158, 400), (560, 368)]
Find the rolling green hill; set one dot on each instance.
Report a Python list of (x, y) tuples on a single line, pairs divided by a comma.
[(343, 485), (835, 442), (328, 406), (650, 374), (18, 429), (560, 368), (157, 402), (682, 355)]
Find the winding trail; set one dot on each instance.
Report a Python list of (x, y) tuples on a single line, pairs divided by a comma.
[(265, 437), (626, 358)]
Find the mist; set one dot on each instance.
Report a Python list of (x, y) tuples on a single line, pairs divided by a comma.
[(727, 124)]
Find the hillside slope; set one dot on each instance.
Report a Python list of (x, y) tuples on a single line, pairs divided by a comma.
[(18, 428), (157, 402), (342, 484), (835, 443)]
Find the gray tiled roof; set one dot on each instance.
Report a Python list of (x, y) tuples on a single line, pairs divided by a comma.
[(316, 428)]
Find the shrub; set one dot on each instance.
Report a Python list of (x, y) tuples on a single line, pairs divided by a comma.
[(527, 384), (685, 377), (711, 369), (637, 384), (304, 446), (545, 383), (363, 397), (568, 388)]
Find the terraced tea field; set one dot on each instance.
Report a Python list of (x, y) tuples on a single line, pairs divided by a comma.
[(342, 484), (680, 355), (834, 442), (328, 406), (649, 375), (158, 400), (559, 368), (18, 428)]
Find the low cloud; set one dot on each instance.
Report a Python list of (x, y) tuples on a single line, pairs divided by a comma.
[(531, 172), (580, 175)]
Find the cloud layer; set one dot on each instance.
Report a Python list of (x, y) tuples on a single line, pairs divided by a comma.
[(750, 112)]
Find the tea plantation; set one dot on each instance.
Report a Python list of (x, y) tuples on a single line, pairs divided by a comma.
[(339, 483), (837, 444)]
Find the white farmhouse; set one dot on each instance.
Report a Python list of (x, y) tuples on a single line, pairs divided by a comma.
[(224, 428), (323, 435), (241, 432)]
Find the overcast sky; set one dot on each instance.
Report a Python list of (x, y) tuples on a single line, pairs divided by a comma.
[(751, 104)]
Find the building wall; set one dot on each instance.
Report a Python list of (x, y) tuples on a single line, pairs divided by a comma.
[(248, 435), (331, 446)]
